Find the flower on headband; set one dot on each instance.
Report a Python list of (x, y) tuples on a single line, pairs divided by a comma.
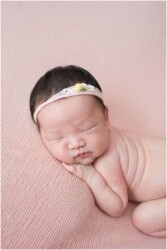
[(80, 87)]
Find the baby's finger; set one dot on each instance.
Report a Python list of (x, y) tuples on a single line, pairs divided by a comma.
[(70, 168)]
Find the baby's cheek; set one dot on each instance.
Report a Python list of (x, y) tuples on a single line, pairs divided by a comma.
[(56, 152), (99, 144)]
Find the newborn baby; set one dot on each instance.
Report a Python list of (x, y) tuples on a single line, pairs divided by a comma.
[(68, 107)]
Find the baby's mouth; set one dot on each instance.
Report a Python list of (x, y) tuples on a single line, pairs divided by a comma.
[(83, 155), (80, 153)]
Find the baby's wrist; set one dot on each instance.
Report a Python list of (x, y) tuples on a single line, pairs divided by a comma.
[(91, 173)]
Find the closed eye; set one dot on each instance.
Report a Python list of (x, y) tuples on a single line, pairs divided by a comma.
[(55, 139), (58, 139), (89, 128)]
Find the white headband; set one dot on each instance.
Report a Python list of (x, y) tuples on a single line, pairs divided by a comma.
[(78, 89)]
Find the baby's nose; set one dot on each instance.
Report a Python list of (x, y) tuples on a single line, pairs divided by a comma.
[(76, 143)]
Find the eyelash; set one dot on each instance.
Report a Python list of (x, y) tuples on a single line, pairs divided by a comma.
[(58, 139), (85, 130)]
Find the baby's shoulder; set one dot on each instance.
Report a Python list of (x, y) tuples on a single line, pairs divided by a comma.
[(120, 141), (127, 142), (130, 149)]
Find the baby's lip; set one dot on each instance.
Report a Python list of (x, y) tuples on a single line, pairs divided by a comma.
[(83, 155), (80, 153)]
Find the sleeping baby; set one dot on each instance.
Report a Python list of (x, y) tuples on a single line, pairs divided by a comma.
[(68, 107)]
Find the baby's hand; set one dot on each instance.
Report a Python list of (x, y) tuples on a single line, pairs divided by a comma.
[(79, 170)]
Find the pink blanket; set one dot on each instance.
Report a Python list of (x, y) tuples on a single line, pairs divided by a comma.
[(43, 206)]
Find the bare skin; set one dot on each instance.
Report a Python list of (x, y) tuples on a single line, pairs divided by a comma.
[(122, 166)]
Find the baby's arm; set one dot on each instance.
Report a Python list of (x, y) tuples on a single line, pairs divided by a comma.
[(106, 198)]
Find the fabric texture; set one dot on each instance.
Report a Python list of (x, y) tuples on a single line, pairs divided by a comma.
[(44, 206)]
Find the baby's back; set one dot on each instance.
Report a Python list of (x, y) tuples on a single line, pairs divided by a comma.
[(142, 161)]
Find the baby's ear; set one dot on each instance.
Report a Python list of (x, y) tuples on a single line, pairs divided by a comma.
[(107, 117)]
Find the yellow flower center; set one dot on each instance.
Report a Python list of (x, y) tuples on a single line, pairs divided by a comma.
[(79, 87)]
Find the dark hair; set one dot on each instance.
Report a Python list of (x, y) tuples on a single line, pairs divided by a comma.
[(56, 79)]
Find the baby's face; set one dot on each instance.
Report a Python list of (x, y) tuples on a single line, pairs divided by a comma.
[(75, 129)]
